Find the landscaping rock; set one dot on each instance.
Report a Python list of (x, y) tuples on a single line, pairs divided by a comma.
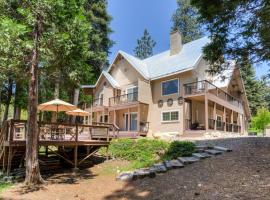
[(167, 164), (159, 168), (141, 173), (213, 152), (187, 160), (176, 164), (222, 149), (126, 176), (201, 155)]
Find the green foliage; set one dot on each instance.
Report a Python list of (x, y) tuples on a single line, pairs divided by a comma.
[(146, 152), (141, 152), (185, 19), (256, 90), (145, 45), (177, 149), (4, 186), (260, 120), (237, 28)]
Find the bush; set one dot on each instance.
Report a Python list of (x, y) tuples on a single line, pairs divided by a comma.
[(145, 152), (177, 149), (260, 120), (142, 152)]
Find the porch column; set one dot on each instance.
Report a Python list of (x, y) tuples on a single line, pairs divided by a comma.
[(206, 112), (128, 120), (215, 116), (103, 116), (184, 116), (232, 117), (114, 117), (224, 117), (138, 118)]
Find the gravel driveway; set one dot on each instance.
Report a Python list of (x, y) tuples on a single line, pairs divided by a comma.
[(241, 174)]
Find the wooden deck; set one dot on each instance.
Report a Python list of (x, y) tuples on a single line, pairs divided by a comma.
[(66, 141)]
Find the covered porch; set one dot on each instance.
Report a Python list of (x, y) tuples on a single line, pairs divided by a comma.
[(202, 115), (131, 119)]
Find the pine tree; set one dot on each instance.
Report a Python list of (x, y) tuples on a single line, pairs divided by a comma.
[(255, 89), (99, 40), (145, 45), (185, 20)]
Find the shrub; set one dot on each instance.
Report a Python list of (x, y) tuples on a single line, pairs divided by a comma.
[(179, 148), (260, 120), (145, 152), (142, 152)]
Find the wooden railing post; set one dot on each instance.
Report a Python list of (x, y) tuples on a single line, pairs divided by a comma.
[(76, 137)]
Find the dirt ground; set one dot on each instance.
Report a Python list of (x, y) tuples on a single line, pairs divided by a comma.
[(241, 174)]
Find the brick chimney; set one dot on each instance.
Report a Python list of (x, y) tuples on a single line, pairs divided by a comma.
[(175, 42)]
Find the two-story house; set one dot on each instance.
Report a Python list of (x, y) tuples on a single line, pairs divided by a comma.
[(170, 92)]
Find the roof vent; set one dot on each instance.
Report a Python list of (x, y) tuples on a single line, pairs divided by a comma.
[(175, 42)]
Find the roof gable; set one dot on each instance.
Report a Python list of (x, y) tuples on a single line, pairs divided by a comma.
[(163, 64)]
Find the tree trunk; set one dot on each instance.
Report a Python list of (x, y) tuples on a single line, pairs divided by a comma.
[(9, 94), (32, 175), (75, 100), (17, 109), (1, 87), (56, 96)]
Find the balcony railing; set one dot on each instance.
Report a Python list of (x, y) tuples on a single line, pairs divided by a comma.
[(126, 98), (201, 87), (212, 124), (97, 102)]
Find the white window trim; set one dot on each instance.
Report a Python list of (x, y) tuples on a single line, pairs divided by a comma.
[(167, 81), (169, 111), (130, 88), (125, 114)]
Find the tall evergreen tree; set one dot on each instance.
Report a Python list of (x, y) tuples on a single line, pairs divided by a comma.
[(236, 28), (185, 19), (256, 90), (31, 32), (145, 45), (99, 40)]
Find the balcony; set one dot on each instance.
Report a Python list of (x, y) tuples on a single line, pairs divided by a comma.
[(205, 87), (97, 102), (123, 99)]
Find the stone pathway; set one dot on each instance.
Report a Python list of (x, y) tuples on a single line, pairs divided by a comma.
[(202, 152)]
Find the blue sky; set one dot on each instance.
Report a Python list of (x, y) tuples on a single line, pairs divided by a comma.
[(131, 17)]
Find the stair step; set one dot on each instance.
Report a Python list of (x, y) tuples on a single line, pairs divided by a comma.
[(201, 155), (222, 149), (213, 152), (188, 160)]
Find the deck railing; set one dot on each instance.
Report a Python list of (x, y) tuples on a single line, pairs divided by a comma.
[(126, 98), (48, 131), (201, 87), (215, 124), (97, 102)]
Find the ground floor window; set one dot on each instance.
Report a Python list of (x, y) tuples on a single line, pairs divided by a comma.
[(170, 116)]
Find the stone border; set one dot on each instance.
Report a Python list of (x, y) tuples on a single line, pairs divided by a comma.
[(202, 152)]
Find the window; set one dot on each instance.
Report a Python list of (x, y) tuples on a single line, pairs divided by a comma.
[(170, 87), (170, 116), (132, 94)]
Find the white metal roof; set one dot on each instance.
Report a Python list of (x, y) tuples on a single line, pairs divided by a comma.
[(164, 64)]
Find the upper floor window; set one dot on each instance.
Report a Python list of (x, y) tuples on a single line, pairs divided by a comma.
[(132, 94), (170, 87)]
